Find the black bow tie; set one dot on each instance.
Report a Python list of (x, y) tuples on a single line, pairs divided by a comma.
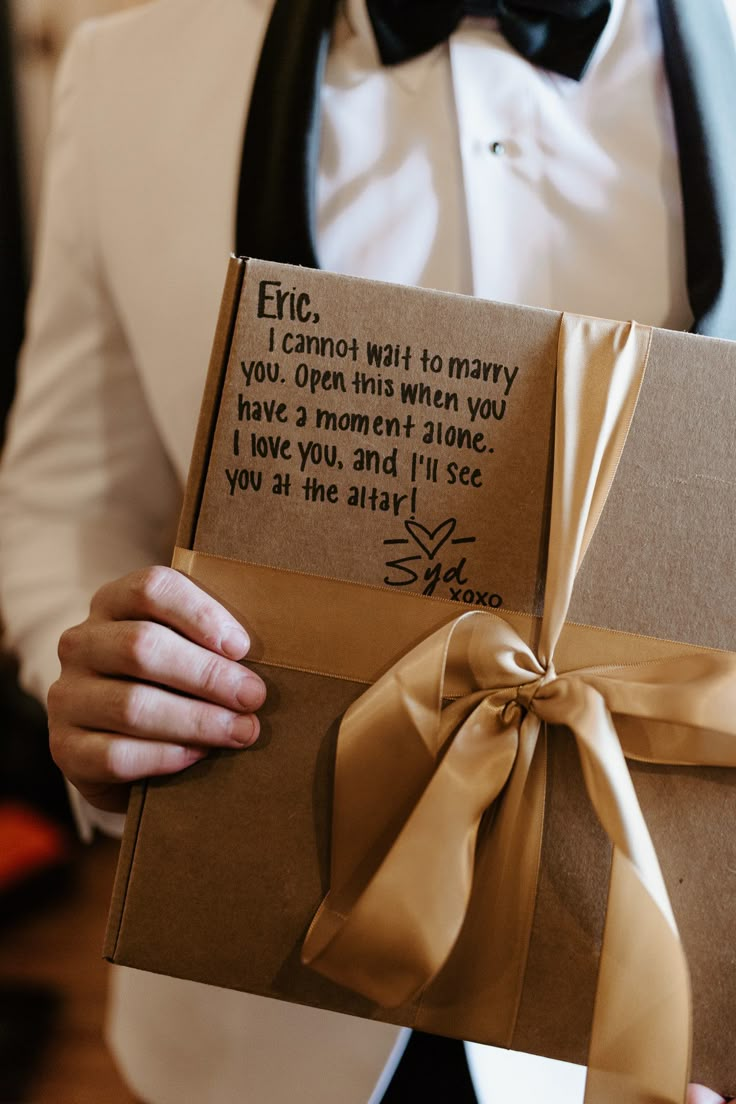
[(554, 34)]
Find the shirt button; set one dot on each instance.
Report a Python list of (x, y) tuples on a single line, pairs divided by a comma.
[(498, 149)]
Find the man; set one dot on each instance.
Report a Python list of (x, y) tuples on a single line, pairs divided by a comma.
[(464, 168)]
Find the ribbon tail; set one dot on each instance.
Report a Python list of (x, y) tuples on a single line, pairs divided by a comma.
[(480, 988), (640, 1040)]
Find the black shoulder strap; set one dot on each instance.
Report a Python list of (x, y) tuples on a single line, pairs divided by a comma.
[(700, 60), (276, 202)]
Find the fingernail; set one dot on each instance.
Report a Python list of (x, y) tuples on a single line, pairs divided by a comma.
[(235, 642), (251, 692), (246, 729), (193, 755)]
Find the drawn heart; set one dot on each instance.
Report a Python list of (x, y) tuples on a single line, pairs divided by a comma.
[(431, 542)]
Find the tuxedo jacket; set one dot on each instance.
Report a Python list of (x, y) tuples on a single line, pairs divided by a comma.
[(143, 177)]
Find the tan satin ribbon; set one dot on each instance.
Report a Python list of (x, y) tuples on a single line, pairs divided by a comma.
[(355, 631), (413, 779)]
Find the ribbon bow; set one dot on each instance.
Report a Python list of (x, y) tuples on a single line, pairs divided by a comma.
[(412, 835), (554, 34)]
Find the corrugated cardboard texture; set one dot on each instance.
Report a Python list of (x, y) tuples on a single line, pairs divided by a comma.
[(230, 859)]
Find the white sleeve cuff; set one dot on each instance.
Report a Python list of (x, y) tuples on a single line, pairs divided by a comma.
[(89, 819)]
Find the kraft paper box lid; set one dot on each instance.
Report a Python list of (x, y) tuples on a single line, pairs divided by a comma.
[(401, 439)]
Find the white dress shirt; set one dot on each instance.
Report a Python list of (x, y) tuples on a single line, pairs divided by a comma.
[(465, 169), (469, 170)]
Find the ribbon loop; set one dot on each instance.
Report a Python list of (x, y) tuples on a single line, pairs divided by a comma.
[(415, 779)]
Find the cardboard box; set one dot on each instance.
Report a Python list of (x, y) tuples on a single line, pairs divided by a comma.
[(402, 440)]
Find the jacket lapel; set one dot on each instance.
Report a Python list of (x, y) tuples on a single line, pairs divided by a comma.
[(700, 60), (276, 200)]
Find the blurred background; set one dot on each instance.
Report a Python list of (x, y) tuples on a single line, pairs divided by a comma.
[(53, 890)]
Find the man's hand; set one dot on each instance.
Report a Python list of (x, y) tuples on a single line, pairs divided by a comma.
[(149, 682)]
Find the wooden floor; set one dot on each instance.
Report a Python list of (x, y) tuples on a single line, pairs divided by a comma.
[(59, 946)]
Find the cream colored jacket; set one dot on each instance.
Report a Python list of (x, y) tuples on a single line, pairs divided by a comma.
[(144, 164)]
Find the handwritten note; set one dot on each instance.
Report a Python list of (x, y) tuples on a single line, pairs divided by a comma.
[(384, 434)]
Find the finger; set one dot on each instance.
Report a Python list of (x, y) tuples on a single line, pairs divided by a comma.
[(148, 713), (149, 652), (102, 760), (170, 598), (699, 1094)]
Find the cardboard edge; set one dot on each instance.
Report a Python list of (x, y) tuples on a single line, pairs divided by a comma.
[(123, 871), (194, 490), (210, 400)]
